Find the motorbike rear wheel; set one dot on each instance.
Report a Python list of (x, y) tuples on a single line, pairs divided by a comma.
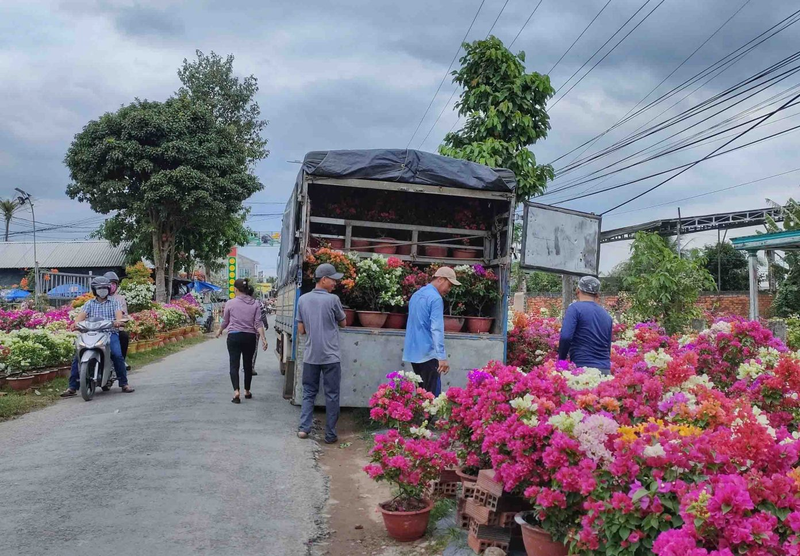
[(87, 383)]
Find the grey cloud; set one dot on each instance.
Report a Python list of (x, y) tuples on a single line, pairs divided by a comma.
[(148, 22)]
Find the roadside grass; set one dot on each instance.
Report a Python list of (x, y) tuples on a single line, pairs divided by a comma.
[(138, 360), (13, 404)]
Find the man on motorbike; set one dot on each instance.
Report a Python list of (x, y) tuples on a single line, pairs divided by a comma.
[(102, 307), (124, 337)]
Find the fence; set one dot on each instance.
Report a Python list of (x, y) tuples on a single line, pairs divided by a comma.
[(60, 288)]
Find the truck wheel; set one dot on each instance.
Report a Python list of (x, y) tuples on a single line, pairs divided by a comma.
[(87, 381)]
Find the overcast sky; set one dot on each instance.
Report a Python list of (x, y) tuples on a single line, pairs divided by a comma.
[(359, 74)]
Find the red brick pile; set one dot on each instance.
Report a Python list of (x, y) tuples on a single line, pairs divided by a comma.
[(488, 513)]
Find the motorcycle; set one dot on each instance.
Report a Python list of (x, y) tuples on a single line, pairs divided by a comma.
[(93, 347)]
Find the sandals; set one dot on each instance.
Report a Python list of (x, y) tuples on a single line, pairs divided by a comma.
[(302, 434), (248, 396), (68, 393), (128, 389), (237, 399)]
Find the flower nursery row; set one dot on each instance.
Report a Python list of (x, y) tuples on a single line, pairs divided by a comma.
[(689, 448), (377, 289)]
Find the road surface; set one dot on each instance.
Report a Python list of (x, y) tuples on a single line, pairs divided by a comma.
[(173, 469)]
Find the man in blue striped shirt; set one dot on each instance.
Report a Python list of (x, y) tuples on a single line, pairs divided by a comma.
[(424, 343)]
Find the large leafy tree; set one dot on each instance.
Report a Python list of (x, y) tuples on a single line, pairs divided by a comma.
[(162, 169), (8, 207), (787, 267), (505, 111), (728, 267), (664, 286)]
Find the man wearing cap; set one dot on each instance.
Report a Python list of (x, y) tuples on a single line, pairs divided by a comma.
[(586, 329), (319, 316), (424, 344)]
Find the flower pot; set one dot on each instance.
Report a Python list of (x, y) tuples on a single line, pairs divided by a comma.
[(449, 476), (20, 382), (453, 324), (133, 347), (466, 479), (403, 249), (538, 542), (479, 325), (361, 245), (52, 374), (434, 251), (335, 242), (407, 526), (64, 372), (396, 321), (349, 317), (372, 319), (385, 248), (465, 253), (40, 377)]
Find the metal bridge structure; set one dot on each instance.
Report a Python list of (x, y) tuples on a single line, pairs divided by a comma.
[(695, 224)]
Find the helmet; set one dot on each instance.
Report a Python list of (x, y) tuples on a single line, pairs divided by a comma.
[(112, 276), (101, 282)]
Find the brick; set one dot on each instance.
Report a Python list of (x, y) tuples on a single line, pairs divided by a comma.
[(487, 482), (489, 533), (481, 514), (479, 545)]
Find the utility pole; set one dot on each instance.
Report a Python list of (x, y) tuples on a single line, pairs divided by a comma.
[(26, 198), (719, 260), (679, 232)]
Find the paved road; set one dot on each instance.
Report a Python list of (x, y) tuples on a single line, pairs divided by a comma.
[(173, 469)]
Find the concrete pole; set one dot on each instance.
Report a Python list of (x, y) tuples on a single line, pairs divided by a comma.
[(567, 291), (753, 256), (679, 232)]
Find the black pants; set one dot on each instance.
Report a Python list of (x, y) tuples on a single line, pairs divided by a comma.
[(429, 371), (241, 346), (124, 340)]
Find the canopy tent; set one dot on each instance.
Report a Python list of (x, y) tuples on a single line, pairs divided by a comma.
[(14, 295), (199, 286), (68, 291)]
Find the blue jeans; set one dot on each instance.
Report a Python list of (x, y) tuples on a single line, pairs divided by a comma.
[(116, 358), (331, 379)]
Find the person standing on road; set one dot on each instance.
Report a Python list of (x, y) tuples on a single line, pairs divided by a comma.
[(124, 336), (101, 308), (424, 343), (242, 318), (586, 329), (319, 316)]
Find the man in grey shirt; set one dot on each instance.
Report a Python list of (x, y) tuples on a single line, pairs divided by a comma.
[(319, 316)]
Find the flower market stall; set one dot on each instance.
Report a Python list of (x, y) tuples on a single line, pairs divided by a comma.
[(387, 219), (690, 448)]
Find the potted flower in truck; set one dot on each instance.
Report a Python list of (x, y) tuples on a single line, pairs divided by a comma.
[(481, 290), (377, 287)]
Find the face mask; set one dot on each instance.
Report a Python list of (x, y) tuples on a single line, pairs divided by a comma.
[(102, 293), (113, 289)]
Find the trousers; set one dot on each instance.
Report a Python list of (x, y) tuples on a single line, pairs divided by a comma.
[(241, 347), (331, 380), (429, 371)]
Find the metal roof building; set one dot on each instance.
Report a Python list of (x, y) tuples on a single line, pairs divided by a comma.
[(62, 255)]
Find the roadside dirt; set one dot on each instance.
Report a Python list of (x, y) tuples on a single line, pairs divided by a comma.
[(355, 526)]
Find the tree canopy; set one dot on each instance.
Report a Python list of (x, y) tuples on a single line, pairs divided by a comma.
[(505, 111), (732, 263)]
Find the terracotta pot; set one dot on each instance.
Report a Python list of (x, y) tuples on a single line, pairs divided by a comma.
[(335, 243), (466, 479), (538, 542), (372, 319), (407, 526), (40, 377), (52, 374), (361, 245), (396, 321), (453, 324), (449, 476), (20, 383), (64, 372), (403, 249), (479, 325), (385, 248), (434, 251), (465, 253), (349, 317)]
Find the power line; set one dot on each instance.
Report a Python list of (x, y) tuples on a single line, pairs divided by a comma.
[(526, 23), (496, 19), (446, 73), (579, 37)]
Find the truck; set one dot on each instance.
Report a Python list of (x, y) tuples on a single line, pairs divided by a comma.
[(428, 210)]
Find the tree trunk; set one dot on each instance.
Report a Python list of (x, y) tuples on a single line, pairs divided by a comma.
[(159, 262), (170, 269), (8, 223)]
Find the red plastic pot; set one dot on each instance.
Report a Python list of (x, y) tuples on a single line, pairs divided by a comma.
[(385, 248), (349, 317), (396, 321), (465, 478), (538, 542), (361, 245), (453, 324), (465, 253), (404, 249), (435, 251), (40, 377), (479, 325), (335, 243), (20, 382), (407, 526), (372, 319)]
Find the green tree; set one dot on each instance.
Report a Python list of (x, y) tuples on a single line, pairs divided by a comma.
[(162, 169), (210, 81), (663, 286), (8, 207), (732, 263), (505, 111)]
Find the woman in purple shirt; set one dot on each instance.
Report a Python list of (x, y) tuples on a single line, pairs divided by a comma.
[(242, 318)]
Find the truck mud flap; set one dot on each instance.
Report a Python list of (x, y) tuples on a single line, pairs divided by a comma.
[(288, 382)]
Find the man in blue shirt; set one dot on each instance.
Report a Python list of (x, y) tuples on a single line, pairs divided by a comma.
[(586, 329), (424, 344)]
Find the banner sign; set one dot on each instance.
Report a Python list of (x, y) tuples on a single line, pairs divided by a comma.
[(270, 239)]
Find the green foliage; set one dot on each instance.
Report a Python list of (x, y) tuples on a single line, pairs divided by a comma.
[(733, 263), (787, 301), (663, 286), (505, 111), (793, 332), (8, 207)]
